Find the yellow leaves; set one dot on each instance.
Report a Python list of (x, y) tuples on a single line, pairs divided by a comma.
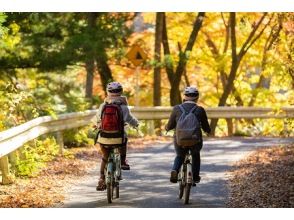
[(14, 28), (13, 38)]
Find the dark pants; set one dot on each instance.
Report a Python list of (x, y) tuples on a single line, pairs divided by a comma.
[(105, 153), (180, 157)]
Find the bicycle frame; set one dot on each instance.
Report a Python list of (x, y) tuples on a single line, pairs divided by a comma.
[(113, 170), (186, 177), (113, 173)]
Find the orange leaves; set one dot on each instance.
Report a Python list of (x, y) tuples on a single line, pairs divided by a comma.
[(264, 179)]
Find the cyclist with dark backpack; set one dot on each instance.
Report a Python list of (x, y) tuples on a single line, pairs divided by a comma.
[(188, 119), (112, 115)]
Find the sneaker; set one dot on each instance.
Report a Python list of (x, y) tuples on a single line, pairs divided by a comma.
[(101, 185), (174, 176), (196, 179), (125, 166)]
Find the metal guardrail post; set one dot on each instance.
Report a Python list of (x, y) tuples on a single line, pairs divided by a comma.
[(4, 166), (12, 160), (59, 139), (150, 127)]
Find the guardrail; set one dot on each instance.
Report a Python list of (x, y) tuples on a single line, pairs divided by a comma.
[(12, 139), (152, 113)]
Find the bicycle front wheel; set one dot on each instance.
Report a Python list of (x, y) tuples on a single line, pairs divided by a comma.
[(187, 193)]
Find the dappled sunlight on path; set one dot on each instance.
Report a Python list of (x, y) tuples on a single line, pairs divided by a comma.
[(147, 183)]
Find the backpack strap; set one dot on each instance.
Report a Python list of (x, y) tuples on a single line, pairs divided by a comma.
[(183, 110), (191, 111)]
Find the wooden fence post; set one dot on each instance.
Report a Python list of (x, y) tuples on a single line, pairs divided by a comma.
[(7, 178), (59, 139)]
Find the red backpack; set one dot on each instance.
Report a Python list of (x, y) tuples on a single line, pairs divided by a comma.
[(112, 125)]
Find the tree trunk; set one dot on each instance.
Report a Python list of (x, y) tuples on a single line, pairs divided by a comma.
[(175, 86), (90, 78), (157, 68), (157, 58), (104, 70), (90, 66)]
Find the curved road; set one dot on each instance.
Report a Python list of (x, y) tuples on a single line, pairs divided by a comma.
[(147, 184)]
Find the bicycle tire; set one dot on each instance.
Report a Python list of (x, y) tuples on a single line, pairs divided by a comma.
[(181, 189), (187, 193), (109, 192), (117, 190)]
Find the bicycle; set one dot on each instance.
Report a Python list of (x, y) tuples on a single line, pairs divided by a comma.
[(185, 178), (113, 173)]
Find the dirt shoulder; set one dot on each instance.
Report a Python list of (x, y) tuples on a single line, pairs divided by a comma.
[(263, 179)]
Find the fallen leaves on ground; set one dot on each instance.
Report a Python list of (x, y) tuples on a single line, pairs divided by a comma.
[(49, 187), (264, 179), (141, 143)]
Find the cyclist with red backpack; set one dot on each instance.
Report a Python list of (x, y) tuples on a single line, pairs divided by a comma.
[(112, 115), (188, 119)]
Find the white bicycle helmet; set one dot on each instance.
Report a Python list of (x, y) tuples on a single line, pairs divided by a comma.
[(191, 91), (114, 87)]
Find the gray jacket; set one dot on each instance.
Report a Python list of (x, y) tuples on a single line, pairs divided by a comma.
[(127, 116)]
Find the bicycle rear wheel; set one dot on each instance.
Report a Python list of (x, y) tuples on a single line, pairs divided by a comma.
[(187, 193), (181, 189), (109, 187), (116, 190)]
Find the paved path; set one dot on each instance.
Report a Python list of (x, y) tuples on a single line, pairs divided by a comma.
[(147, 184)]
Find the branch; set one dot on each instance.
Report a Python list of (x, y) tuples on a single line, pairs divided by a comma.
[(251, 35), (222, 15), (196, 28), (169, 67), (211, 45), (183, 59), (233, 36), (258, 36), (227, 37)]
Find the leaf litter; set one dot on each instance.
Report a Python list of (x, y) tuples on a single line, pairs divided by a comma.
[(48, 189), (264, 179)]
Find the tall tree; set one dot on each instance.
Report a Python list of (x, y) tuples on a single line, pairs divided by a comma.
[(157, 59), (90, 56), (236, 57), (270, 41), (174, 77), (54, 41), (157, 68)]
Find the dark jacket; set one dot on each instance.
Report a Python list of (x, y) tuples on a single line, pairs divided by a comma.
[(199, 112)]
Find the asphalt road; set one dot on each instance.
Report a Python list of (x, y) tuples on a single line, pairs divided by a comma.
[(147, 184)]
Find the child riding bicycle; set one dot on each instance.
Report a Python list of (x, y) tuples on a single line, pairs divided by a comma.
[(113, 113)]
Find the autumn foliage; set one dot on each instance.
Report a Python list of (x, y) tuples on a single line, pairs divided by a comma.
[(264, 179)]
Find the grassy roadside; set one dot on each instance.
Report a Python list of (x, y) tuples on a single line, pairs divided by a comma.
[(263, 179)]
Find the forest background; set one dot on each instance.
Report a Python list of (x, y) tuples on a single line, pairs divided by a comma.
[(54, 63)]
